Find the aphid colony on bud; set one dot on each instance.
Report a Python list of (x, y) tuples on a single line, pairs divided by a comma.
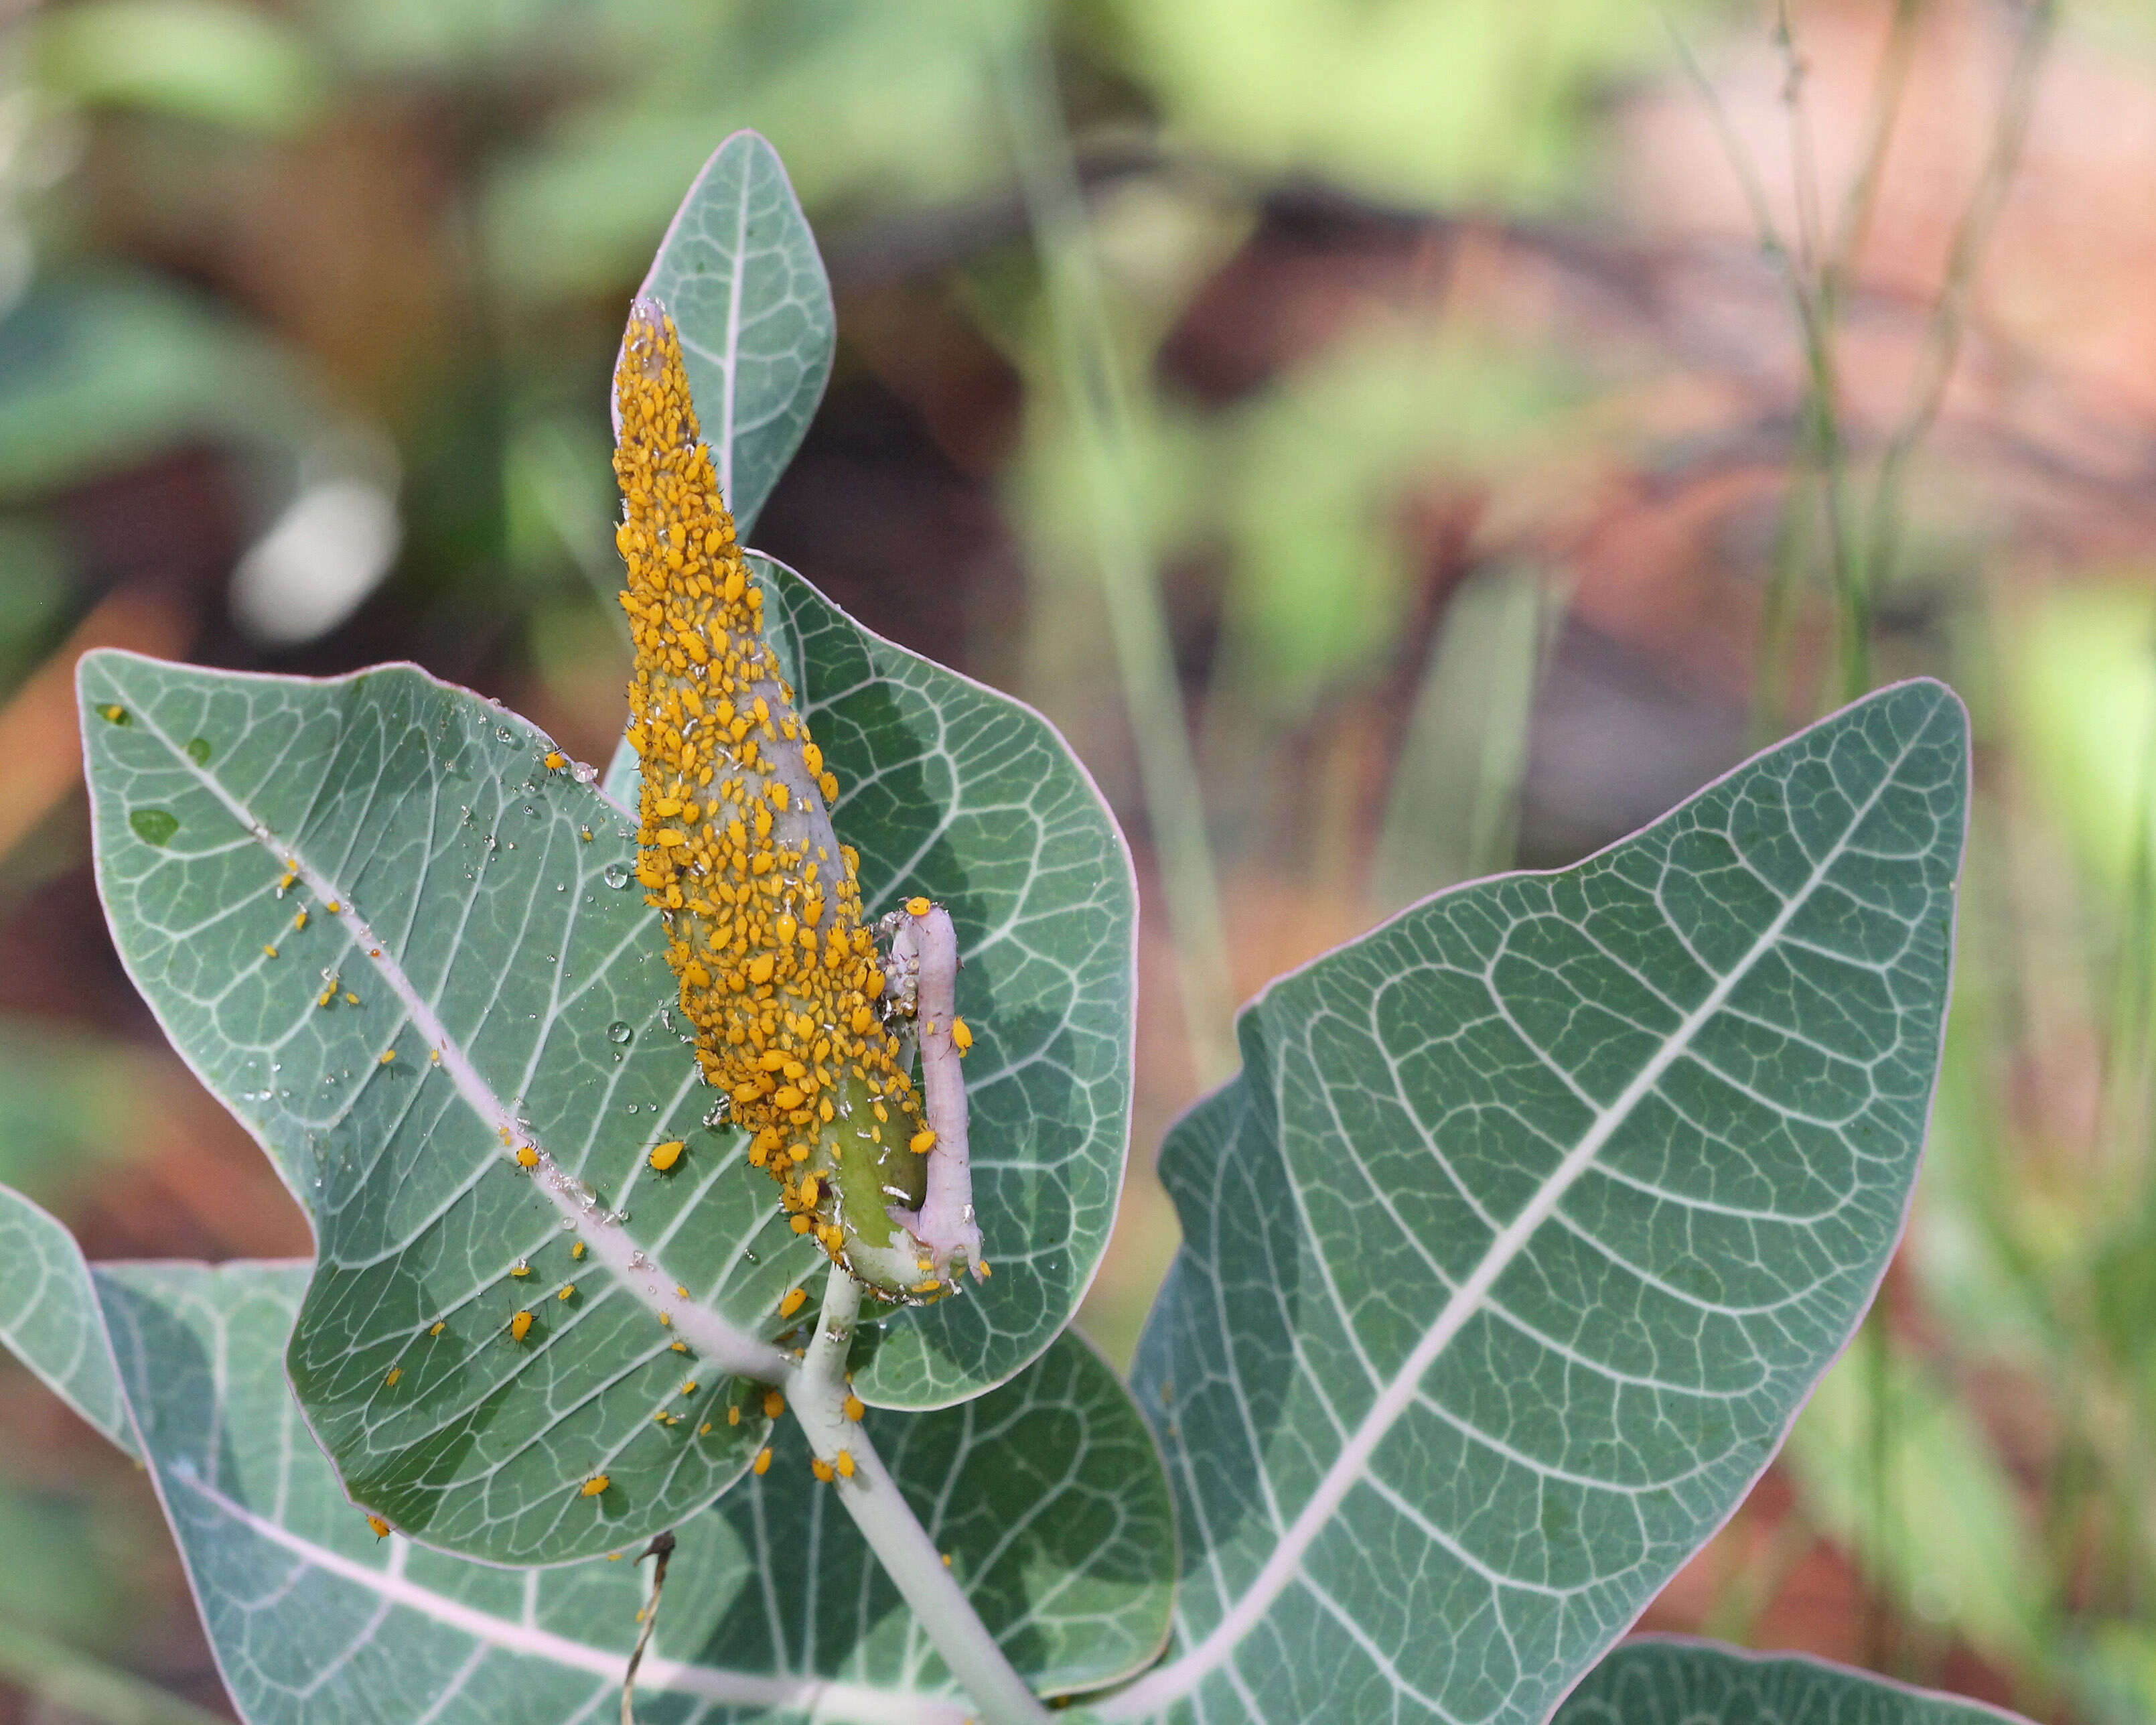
[(778, 975)]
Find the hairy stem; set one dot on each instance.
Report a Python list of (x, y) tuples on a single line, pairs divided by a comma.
[(818, 1397)]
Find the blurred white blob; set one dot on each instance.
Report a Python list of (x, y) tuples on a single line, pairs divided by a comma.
[(327, 551)]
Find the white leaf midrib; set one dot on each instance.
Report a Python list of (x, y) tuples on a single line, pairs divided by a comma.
[(703, 1327), (1282, 1567)]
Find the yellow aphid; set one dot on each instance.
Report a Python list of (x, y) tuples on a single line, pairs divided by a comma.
[(794, 1302), (761, 1465), (666, 1319), (774, 1404), (766, 935), (520, 1327), (389, 1057), (856, 1407), (921, 1142), (947, 1560), (290, 876), (690, 1388), (527, 1156), (681, 1289), (917, 907), (680, 1348), (664, 1156), (577, 1250), (439, 1326), (351, 999), (733, 1415), (846, 1464), (822, 1469), (395, 1372), (704, 1429), (299, 920), (333, 907), (962, 1039), (569, 1292), (380, 1527), (554, 760), (595, 1485), (270, 952), (327, 995), (520, 1268), (435, 1057)]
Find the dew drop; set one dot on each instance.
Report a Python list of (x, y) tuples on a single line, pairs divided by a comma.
[(634, 1109), (617, 1033), (502, 733), (154, 826), (582, 773), (615, 875)]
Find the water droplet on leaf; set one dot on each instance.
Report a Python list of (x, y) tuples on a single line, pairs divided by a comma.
[(154, 826), (616, 1032), (615, 874)]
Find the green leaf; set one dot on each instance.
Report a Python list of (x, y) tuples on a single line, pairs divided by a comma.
[(1669, 1682), (739, 272), (48, 1316), (196, 59), (1535, 1216), (477, 921), (951, 789), (1048, 1495)]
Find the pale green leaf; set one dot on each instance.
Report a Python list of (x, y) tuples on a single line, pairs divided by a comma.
[(1670, 1682), (478, 920), (48, 1316), (949, 788), (739, 272), (1048, 1495), (1535, 1216)]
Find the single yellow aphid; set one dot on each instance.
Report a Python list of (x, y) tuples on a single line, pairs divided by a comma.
[(439, 1326), (680, 1346), (291, 875), (577, 1250), (666, 1319), (822, 1469), (681, 1289), (774, 1404), (333, 907), (389, 1057), (520, 1327), (793, 1302), (664, 1156), (846, 1464), (690, 1388), (527, 1156), (761, 1465), (704, 1429), (921, 1142), (917, 907), (351, 999), (299, 920), (596, 1484), (733, 1415), (395, 1372), (856, 1409), (554, 761), (435, 1057), (271, 950), (962, 1039), (569, 1292), (380, 1527), (520, 1268)]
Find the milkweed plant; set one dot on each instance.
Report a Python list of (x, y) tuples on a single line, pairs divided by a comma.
[(706, 1157)]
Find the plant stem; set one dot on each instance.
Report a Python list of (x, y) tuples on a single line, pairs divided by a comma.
[(817, 1396), (1094, 397)]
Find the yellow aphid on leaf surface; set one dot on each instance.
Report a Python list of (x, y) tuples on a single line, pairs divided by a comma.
[(380, 1527), (520, 1327), (774, 1404), (554, 761), (761, 1465), (395, 1372), (527, 1157), (664, 1156), (595, 1485), (793, 1302), (577, 1250), (822, 1469)]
